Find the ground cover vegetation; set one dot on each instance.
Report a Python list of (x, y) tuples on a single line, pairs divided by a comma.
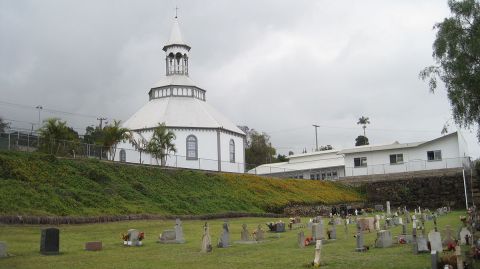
[(41, 184)]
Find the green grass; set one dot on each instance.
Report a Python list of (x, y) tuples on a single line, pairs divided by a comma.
[(40, 184), (283, 252)]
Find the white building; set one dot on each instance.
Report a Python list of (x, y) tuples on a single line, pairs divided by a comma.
[(449, 151), (322, 165), (205, 139)]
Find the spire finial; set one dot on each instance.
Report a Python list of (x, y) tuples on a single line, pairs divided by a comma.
[(176, 12)]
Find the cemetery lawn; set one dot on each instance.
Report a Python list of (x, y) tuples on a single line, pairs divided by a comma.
[(282, 252)]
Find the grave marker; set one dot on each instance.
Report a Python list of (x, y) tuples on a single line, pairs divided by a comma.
[(50, 241), (301, 239), (448, 236), (173, 236), (93, 246), (465, 236), (318, 252), (259, 233), (245, 235), (384, 239), (206, 239), (225, 237), (3, 249), (435, 241)]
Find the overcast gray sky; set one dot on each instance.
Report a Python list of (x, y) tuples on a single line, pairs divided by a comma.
[(276, 66)]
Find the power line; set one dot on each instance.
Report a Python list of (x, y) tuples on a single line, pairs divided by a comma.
[(53, 111)]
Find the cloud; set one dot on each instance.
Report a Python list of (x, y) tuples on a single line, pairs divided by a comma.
[(277, 66)]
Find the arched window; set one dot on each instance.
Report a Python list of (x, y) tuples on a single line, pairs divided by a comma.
[(123, 155), (192, 147), (232, 151)]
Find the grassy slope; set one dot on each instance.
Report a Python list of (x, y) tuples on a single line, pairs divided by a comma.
[(38, 184)]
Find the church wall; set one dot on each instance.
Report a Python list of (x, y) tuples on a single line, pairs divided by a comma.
[(238, 166), (207, 151)]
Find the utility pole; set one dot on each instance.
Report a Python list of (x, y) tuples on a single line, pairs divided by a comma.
[(101, 121), (316, 136), (39, 108)]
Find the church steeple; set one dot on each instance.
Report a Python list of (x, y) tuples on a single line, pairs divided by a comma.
[(176, 60)]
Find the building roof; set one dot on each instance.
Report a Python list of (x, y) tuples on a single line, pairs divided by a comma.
[(176, 37), (182, 112), (314, 153), (394, 145), (283, 167)]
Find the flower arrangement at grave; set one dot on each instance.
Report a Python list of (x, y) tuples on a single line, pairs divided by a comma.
[(141, 236), (126, 238), (308, 241)]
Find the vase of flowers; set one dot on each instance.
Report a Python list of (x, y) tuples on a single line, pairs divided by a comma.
[(126, 239), (141, 236)]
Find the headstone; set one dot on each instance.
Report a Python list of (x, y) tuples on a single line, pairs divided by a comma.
[(318, 252), (384, 239), (332, 233), (360, 242), (93, 246), (301, 239), (259, 234), (458, 254), (422, 245), (435, 241), (50, 241), (366, 224), (133, 237), (245, 235), (173, 236), (434, 257), (388, 208), (400, 221), (167, 236), (378, 207), (404, 229), (317, 231), (346, 228), (3, 249), (407, 216), (465, 236), (206, 239), (448, 236), (280, 227), (179, 231), (224, 240), (377, 222), (309, 224)]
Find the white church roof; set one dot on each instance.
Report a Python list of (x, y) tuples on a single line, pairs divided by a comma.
[(179, 112), (175, 35)]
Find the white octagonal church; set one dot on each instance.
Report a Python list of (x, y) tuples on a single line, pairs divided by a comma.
[(205, 139)]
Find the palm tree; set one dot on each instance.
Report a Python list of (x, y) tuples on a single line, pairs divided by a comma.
[(53, 131), (3, 125), (364, 121), (139, 143), (114, 134), (161, 143)]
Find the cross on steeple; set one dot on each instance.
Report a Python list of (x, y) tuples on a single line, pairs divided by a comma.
[(176, 12)]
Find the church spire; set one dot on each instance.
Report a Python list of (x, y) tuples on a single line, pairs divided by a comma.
[(176, 60)]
